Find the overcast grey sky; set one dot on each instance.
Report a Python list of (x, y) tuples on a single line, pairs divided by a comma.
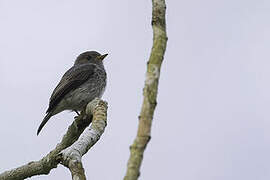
[(212, 117)]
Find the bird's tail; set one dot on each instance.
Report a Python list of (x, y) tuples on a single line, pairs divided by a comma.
[(44, 121)]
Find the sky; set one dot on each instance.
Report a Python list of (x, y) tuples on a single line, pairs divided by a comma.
[(212, 116)]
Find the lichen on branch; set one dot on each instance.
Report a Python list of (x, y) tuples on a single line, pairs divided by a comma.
[(96, 109), (150, 90)]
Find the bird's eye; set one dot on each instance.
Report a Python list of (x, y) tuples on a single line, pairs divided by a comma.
[(89, 57)]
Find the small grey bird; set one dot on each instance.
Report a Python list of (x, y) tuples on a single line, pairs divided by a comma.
[(83, 82)]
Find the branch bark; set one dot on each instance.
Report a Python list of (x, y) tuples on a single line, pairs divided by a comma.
[(57, 155), (71, 156), (150, 90)]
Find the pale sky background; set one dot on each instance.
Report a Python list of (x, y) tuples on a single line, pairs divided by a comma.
[(212, 117)]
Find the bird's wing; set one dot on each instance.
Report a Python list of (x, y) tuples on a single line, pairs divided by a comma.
[(72, 79)]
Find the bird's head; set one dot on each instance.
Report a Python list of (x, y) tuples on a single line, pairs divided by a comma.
[(90, 57)]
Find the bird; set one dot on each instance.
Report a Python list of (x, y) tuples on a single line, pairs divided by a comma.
[(82, 83)]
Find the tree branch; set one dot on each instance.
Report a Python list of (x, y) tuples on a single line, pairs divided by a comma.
[(71, 156), (51, 160), (149, 91)]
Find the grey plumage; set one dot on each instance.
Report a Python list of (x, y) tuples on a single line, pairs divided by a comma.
[(83, 82)]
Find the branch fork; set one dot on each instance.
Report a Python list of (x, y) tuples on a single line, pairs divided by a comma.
[(74, 144)]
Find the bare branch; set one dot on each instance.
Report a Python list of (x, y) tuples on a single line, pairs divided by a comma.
[(150, 90), (52, 159), (71, 156)]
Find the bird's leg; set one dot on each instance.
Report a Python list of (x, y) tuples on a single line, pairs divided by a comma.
[(82, 113), (77, 112)]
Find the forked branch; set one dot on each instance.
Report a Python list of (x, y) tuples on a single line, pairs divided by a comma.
[(64, 152)]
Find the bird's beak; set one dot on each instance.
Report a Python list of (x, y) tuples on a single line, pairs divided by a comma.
[(101, 57)]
